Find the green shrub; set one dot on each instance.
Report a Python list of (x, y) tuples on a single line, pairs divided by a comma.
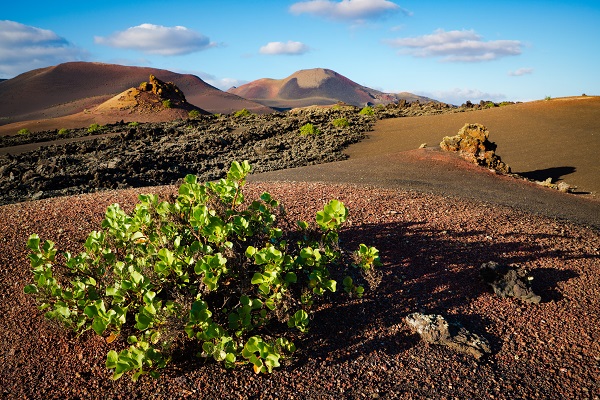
[(548, 98), (210, 268), (309, 129), (167, 103), (340, 123), (242, 113), (367, 110), (93, 128), (133, 124), (505, 103), (193, 114), (63, 131), (490, 104), (23, 132)]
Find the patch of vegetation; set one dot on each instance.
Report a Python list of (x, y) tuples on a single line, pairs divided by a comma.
[(210, 270), (367, 110), (133, 124), (63, 132), (242, 113), (193, 114), (167, 103), (309, 130), (340, 123), (490, 104), (548, 98), (94, 128), (23, 132), (505, 103)]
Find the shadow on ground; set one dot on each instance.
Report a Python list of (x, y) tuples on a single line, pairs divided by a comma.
[(429, 271), (555, 173)]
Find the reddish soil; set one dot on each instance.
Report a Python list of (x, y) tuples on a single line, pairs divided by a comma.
[(432, 247)]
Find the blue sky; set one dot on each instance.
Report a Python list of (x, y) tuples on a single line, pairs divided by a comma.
[(449, 50)]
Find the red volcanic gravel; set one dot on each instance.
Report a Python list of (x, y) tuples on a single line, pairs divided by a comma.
[(431, 246)]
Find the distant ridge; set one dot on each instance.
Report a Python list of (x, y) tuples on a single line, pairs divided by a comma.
[(318, 86), (70, 88)]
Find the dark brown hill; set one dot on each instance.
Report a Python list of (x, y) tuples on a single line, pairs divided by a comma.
[(316, 86), (69, 88)]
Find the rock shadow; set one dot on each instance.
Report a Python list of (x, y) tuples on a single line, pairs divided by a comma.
[(545, 282), (556, 173)]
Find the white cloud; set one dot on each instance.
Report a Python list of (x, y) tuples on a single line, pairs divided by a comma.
[(23, 48), (288, 48), (220, 83), (521, 72), (457, 46), (459, 96), (354, 10), (157, 39)]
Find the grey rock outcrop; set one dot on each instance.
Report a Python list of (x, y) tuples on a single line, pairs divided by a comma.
[(435, 329), (507, 281)]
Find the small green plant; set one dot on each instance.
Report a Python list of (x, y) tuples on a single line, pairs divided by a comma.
[(93, 128), (548, 98), (242, 113), (23, 132), (505, 103), (309, 130), (133, 124), (490, 104), (193, 114), (210, 268), (63, 132), (340, 123), (167, 103), (367, 110)]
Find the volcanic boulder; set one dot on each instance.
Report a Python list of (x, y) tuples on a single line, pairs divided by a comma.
[(164, 90), (507, 281), (435, 329), (472, 144)]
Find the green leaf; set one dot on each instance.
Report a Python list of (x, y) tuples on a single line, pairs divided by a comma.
[(136, 277), (245, 301), (99, 325), (91, 311), (143, 321), (111, 359), (136, 236), (303, 225), (250, 251), (257, 278), (330, 285), (33, 242), (291, 277), (30, 289)]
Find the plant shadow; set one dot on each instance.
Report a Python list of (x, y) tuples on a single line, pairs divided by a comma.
[(429, 271)]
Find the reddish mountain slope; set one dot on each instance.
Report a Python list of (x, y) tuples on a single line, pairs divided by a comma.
[(69, 88), (314, 87)]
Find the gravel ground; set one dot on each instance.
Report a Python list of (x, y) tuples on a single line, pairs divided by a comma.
[(432, 247)]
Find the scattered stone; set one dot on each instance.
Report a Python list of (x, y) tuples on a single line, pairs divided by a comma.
[(435, 329), (472, 144), (423, 146), (507, 281), (561, 186)]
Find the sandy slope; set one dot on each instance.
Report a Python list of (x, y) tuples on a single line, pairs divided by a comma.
[(559, 138)]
